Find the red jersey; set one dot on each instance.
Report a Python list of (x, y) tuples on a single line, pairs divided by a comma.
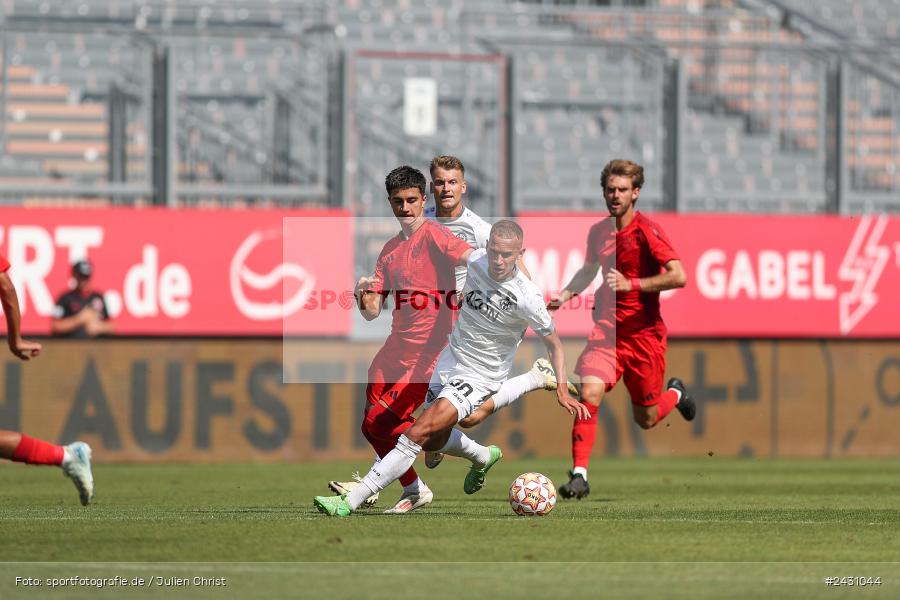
[(418, 273), (4, 264), (641, 249)]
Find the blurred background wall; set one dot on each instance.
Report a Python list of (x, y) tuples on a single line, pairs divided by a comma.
[(189, 147)]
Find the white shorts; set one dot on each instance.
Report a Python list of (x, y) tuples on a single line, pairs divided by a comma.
[(461, 386)]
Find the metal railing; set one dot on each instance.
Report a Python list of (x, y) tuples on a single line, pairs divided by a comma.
[(763, 112)]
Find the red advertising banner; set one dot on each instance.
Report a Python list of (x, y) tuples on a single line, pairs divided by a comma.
[(197, 272), (186, 272), (748, 275)]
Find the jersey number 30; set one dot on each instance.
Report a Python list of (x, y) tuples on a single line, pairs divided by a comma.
[(464, 388)]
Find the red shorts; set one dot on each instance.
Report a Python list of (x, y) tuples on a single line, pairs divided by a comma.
[(399, 382), (638, 359), (400, 398)]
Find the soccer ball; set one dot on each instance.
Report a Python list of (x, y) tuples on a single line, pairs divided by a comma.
[(532, 494)]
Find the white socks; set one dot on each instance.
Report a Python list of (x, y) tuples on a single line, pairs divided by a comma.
[(461, 445), (386, 471), (513, 389), (580, 471)]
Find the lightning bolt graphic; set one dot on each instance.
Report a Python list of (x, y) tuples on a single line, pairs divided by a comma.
[(862, 265)]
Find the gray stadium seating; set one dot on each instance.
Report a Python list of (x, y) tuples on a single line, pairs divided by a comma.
[(754, 127)]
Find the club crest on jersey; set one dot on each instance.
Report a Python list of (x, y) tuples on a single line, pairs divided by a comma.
[(503, 301)]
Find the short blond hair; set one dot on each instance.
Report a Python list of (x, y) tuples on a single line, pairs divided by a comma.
[(507, 230), (623, 168), (447, 163)]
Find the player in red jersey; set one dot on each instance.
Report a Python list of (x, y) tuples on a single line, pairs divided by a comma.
[(75, 459), (629, 341), (417, 268)]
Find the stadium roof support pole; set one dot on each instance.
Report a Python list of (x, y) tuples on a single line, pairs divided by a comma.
[(163, 127), (347, 149), (4, 85), (337, 108), (281, 138), (116, 154), (836, 138), (674, 108), (509, 114)]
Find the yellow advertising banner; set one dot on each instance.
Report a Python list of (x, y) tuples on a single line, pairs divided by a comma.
[(226, 400)]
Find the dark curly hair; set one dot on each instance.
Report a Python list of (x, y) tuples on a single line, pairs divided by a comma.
[(404, 177)]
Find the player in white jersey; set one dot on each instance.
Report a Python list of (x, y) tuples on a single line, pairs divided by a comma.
[(468, 227), (448, 186), (499, 305)]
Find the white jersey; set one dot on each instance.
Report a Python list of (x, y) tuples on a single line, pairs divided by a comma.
[(493, 317), (468, 227)]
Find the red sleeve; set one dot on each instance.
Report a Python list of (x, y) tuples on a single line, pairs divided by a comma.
[(379, 285), (448, 244), (4, 264), (660, 246)]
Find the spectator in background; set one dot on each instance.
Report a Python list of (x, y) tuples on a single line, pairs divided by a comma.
[(81, 312)]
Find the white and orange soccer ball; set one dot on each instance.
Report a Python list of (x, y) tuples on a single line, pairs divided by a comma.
[(532, 495)]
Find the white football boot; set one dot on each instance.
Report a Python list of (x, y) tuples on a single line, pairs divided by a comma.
[(78, 469), (410, 501), (345, 487), (544, 369)]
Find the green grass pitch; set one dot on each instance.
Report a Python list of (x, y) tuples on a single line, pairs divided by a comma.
[(657, 528)]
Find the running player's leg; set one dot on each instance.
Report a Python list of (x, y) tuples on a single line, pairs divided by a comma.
[(19, 447), (456, 443), (476, 418), (644, 358), (599, 371), (467, 392), (433, 423), (382, 429), (384, 426), (75, 459), (584, 436), (540, 377)]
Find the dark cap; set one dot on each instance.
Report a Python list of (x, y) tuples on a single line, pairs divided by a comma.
[(82, 269)]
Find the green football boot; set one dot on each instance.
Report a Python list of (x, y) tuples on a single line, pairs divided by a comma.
[(333, 506), (475, 477)]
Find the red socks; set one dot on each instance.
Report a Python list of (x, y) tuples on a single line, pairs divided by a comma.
[(38, 452), (666, 403), (584, 432)]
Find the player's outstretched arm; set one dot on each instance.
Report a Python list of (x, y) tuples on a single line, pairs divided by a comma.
[(368, 300), (23, 349), (673, 276), (579, 282), (558, 360), (464, 258)]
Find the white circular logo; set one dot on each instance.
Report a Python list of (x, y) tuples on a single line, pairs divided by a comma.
[(240, 275)]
